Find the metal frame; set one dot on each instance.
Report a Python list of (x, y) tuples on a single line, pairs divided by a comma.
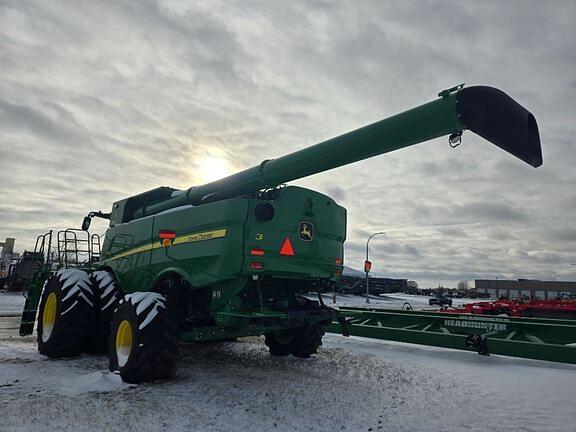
[(534, 338), (69, 250)]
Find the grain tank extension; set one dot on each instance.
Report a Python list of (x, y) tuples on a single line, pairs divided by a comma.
[(235, 257)]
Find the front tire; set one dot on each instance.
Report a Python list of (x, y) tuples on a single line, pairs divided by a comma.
[(143, 338), (66, 314)]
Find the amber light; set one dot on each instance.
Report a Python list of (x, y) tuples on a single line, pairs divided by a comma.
[(257, 252), (256, 265), (338, 261)]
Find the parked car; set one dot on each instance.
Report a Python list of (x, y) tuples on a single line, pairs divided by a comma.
[(440, 301)]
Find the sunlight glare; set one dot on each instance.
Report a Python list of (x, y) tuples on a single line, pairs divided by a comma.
[(213, 168)]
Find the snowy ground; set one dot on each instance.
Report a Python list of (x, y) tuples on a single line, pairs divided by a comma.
[(389, 301), (11, 303), (353, 384)]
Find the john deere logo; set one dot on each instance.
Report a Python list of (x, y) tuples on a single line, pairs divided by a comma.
[(306, 231)]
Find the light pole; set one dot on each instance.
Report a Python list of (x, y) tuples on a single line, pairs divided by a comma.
[(368, 265)]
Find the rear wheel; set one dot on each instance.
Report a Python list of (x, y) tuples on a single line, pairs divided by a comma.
[(279, 343), (108, 294), (66, 314), (301, 342), (143, 343), (307, 341)]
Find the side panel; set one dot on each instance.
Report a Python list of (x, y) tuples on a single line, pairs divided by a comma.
[(126, 250), (209, 241)]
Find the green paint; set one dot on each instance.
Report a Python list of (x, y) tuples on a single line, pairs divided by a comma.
[(535, 338)]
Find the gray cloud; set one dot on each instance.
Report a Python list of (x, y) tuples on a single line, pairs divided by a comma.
[(489, 211), (100, 100)]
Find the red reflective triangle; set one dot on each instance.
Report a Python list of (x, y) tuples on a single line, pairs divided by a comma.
[(287, 248)]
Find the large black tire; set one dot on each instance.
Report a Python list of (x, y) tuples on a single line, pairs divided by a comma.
[(108, 295), (302, 342), (66, 314), (153, 338), (279, 343)]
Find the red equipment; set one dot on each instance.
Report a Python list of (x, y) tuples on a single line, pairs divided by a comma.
[(559, 309)]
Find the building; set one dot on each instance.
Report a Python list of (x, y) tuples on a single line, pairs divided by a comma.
[(526, 288), (357, 285), (6, 256)]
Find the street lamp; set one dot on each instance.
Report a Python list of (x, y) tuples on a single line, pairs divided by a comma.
[(368, 265)]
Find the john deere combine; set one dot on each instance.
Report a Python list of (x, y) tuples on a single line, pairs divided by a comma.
[(234, 257)]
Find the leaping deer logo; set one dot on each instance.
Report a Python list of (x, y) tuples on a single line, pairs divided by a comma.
[(306, 231)]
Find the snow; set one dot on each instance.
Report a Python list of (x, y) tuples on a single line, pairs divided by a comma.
[(76, 281), (142, 300), (354, 384), (349, 271), (110, 303), (108, 290), (11, 303), (389, 301), (106, 287), (122, 354), (72, 277), (72, 306), (103, 277)]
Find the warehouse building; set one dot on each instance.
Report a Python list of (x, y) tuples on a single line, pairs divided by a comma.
[(526, 289)]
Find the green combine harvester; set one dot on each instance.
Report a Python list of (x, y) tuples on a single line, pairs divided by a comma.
[(235, 257)]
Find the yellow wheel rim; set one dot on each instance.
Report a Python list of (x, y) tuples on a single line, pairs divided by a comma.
[(49, 316), (123, 342)]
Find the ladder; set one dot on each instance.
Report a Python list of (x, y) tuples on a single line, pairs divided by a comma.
[(74, 249)]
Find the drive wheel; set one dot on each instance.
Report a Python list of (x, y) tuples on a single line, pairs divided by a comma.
[(143, 343), (306, 341), (301, 342), (108, 294), (279, 343), (66, 314)]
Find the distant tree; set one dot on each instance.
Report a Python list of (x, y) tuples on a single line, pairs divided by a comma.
[(463, 285), (412, 284)]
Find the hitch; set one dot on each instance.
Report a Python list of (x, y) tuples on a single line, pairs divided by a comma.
[(479, 342), (344, 325)]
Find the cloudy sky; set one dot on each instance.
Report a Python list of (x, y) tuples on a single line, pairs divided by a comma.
[(101, 100)]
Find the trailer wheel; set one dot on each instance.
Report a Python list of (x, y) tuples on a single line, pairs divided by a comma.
[(66, 314), (108, 294), (143, 342), (306, 341)]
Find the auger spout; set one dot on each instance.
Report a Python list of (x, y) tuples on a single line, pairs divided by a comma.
[(486, 111)]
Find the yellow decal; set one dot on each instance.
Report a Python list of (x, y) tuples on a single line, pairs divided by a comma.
[(259, 236), (306, 231), (188, 238), (139, 249), (208, 235)]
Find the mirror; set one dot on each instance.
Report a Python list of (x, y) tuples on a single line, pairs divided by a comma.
[(86, 223)]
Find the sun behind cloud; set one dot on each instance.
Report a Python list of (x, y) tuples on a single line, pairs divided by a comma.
[(214, 168)]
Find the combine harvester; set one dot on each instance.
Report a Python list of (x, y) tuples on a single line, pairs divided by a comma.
[(235, 257)]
